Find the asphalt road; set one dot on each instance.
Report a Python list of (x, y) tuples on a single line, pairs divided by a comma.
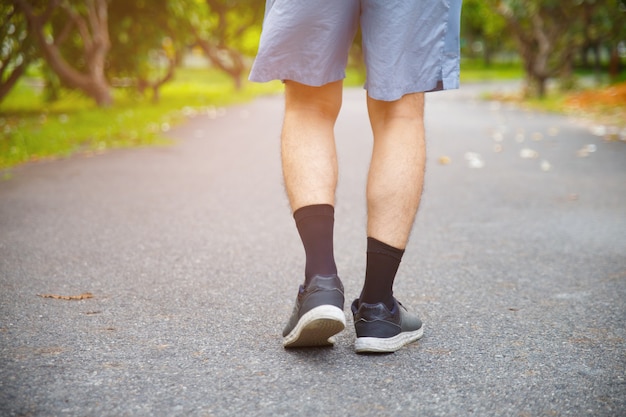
[(517, 264)]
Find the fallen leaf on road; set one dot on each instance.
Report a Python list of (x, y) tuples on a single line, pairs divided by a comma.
[(474, 160), (497, 136), (598, 130), (528, 153), (67, 297), (586, 150), (444, 160)]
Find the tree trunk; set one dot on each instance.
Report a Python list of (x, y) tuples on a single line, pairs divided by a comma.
[(535, 86), (94, 33), (541, 87), (597, 62), (566, 75), (18, 48), (156, 85), (614, 63), (100, 91), (10, 82), (544, 42), (487, 55), (233, 65)]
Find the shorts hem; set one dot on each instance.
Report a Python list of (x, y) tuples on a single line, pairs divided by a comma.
[(396, 93), (313, 81)]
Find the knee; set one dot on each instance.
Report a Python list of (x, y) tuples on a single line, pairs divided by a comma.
[(324, 101), (409, 108)]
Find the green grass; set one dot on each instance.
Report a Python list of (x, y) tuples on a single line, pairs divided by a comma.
[(31, 129), (553, 102), (355, 77), (473, 70)]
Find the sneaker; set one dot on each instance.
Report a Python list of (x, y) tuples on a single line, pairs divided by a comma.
[(317, 315), (379, 329)]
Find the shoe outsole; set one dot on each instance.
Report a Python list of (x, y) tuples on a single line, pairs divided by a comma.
[(316, 327), (387, 345)]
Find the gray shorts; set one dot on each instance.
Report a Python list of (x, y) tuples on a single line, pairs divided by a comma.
[(408, 45)]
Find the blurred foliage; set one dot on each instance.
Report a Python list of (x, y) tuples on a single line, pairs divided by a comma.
[(550, 34), (228, 32), (146, 44), (73, 39), (141, 31), (17, 49), (145, 40), (481, 31)]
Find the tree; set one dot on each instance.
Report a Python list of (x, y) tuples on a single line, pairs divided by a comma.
[(17, 49), (147, 41), (603, 28), (550, 33), (614, 18), (228, 31), (545, 34), (62, 26)]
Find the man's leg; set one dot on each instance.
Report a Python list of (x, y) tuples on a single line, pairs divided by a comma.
[(396, 174), (310, 168), (394, 189), (310, 173), (308, 143)]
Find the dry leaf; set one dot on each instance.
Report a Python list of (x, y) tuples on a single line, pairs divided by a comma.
[(67, 297), (474, 160), (586, 150), (444, 160), (528, 153)]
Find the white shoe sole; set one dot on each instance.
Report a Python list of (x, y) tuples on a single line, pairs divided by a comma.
[(387, 345), (316, 327)]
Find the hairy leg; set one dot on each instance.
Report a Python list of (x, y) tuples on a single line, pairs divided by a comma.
[(309, 156), (396, 174)]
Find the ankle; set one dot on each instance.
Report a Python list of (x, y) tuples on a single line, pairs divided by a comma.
[(382, 264)]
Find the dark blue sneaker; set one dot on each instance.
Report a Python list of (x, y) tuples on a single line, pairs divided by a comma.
[(379, 329), (318, 313)]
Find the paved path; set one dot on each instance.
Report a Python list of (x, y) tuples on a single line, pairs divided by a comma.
[(517, 265)]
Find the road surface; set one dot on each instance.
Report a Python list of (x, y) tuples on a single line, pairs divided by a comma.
[(517, 265)]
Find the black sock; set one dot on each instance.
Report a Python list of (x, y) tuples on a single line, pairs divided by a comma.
[(382, 264), (315, 225)]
